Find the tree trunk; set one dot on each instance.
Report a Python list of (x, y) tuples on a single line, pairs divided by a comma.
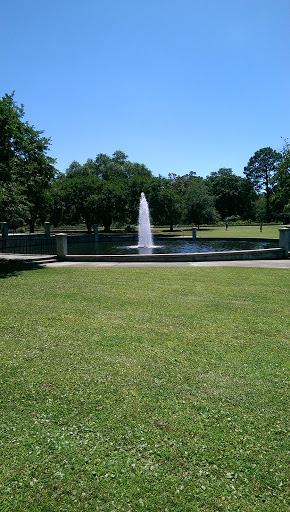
[(107, 224), (267, 196), (171, 227), (32, 223)]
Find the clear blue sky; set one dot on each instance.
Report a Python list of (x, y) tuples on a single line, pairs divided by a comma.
[(179, 85)]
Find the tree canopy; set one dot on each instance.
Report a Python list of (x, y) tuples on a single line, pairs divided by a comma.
[(260, 170), (281, 185), (25, 168), (234, 195), (106, 189), (199, 204)]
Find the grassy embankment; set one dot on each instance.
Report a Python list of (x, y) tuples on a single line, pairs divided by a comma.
[(144, 389), (271, 231)]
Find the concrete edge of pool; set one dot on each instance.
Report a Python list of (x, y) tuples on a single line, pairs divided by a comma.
[(254, 254)]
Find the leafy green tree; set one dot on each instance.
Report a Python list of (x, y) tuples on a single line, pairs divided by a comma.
[(119, 157), (111, 168), (132, 169), (13, 206), (57, 206), (260, 208), (90, 199), (260, 170), (109, 205), (73, 199), (134, 185), (25, 167), (199, 204), (166, 205), (281, 186), (76, 170), (181, 183), (119, 185), (118, 167), (234, 195)]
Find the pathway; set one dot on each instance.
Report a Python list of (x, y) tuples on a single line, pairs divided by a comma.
[(50, 261)]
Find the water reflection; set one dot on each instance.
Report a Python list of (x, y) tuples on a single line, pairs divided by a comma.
[(145, 250), (168, 246)]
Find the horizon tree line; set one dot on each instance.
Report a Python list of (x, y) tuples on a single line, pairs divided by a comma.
[(106, 190)]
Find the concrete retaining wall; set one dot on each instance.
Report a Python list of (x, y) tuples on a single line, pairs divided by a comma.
[(258, 254)]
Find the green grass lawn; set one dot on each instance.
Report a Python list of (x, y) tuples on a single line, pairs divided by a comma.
[(270, 231), (143, 389), (220, 231)]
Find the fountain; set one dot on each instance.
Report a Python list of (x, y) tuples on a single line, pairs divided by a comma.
[(145, 239), (181, 249)]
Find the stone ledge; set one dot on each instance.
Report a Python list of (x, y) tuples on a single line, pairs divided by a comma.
[(256, 254)]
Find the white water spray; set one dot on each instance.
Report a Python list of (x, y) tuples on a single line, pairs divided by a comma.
[(144, 235)]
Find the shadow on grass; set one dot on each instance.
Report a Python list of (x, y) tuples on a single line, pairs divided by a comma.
[(15, 268)]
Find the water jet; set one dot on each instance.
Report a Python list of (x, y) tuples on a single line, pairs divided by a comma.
[(145, 239)]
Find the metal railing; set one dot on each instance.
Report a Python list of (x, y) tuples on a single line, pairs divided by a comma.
[(41, 246)]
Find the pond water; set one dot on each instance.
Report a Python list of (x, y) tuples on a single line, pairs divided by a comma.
[(169, 246)]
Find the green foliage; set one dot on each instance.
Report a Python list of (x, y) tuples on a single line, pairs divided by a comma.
[(166, 204), (181, 183), (103, 190), (13, 205), (87, 198), (133, 186), (172, 201), (76, 170), (233, 195), (280, 200), (199, 203), (118, 167), (25, 169), (260, 170), (107, 189), (109, 203)]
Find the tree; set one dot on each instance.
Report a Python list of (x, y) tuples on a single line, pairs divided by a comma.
[(166, 206), (134, 185), (233, 194), (116, 198), (110, 202), (119, 157), (75, 170), (25, 167), (132, 169), (181, 183), (13, 208), (281, 186), (260, 170), (71, 199), (199, 203), (118, 167), (88, 198), (111, 168), (57, 206)]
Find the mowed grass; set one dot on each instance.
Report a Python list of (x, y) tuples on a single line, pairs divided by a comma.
[(144, 389), (222, 232)]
